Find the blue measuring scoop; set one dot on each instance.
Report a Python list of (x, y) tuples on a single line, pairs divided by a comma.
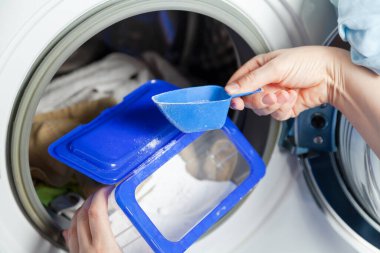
[(197, 109)]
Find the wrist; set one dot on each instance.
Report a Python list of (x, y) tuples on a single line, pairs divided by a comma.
[(336, 77)]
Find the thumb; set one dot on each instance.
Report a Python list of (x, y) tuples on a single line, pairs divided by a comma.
[(254, 80)]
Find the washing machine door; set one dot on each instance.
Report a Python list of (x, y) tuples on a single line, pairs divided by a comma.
[(341, 171), (37, 37)]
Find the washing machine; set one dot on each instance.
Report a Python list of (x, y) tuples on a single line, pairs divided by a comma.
[(293, 209)]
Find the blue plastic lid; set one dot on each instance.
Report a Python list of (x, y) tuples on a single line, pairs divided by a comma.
[(120, 139), (125, 193), (129, 142)]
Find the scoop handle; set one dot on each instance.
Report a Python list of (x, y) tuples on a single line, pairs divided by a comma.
[(246, 93)]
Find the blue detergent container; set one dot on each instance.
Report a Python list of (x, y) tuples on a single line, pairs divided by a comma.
[(132, 144)]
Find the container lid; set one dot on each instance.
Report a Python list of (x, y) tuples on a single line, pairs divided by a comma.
[(129, 142), (126, 199), (120, 139)]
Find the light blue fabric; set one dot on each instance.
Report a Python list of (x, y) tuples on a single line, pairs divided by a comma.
[(359, 24)]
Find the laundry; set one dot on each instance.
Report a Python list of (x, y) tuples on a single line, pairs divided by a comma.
[(48, 127), (212, 158), (116, 75), (47, 193), (175, 193), (174, 201), (65, 104)]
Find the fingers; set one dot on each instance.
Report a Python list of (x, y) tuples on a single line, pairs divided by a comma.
[(269, 99), (237, 104), (83, 227), (78, 236), (72, 237), (257, 101), (274, 101), (279, 103), (263, 99), (251, 76), (255, 74), (98, 218), (304, 70), (248, 67), (263, 70), (256, 79), (65, 235), (90, 230), (286, 111), (253, 64)]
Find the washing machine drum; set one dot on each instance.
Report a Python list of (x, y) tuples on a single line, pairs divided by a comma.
[(342, 171)]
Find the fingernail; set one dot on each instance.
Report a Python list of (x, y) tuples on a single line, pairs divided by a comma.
[(232, 87), (233, 105), (267, 100)]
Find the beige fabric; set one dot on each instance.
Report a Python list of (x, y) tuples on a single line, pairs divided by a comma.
[(211, 157), (48, 127)]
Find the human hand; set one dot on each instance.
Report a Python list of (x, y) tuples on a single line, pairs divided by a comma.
[(293, 80), (90, 229)]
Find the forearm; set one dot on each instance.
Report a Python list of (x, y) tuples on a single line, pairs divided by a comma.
[(356, 94)]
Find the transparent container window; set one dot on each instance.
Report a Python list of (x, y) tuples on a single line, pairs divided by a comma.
[(191, 184), (361, 169)]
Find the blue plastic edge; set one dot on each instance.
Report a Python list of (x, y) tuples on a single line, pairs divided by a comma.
[(125, 192)]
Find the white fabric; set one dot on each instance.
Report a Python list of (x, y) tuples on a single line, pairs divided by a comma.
[(174, 200), (114, 76)]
